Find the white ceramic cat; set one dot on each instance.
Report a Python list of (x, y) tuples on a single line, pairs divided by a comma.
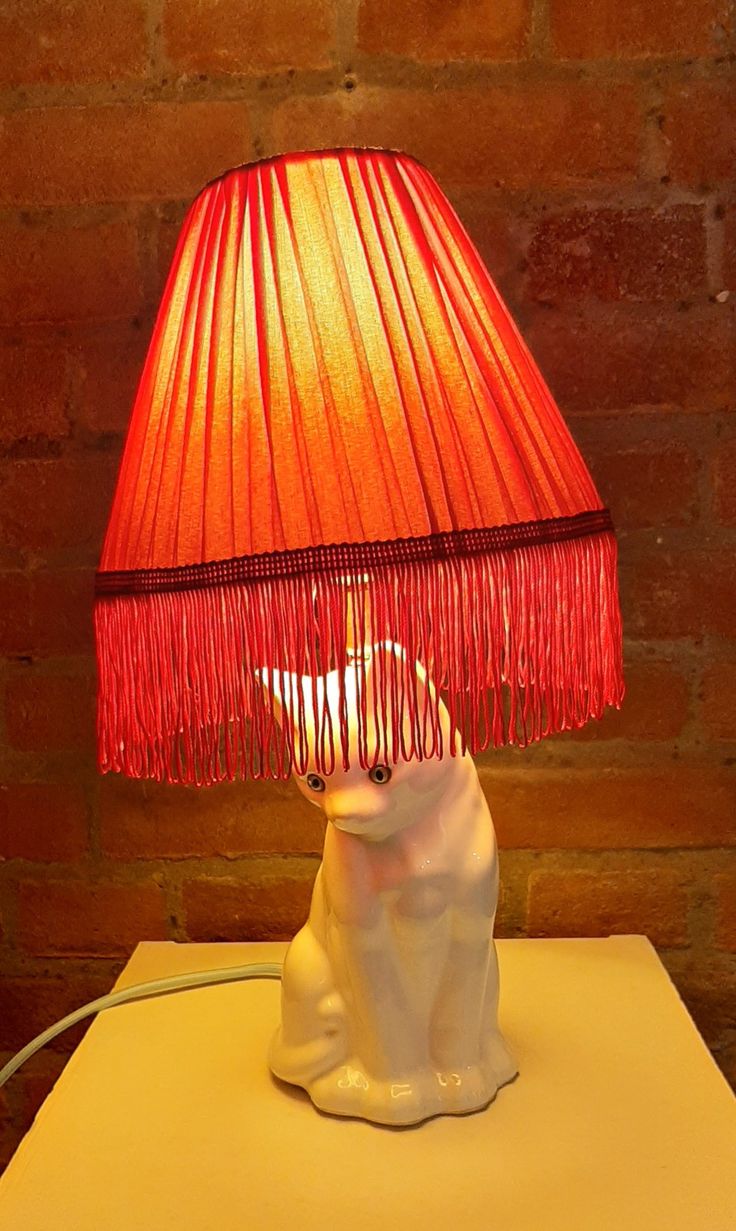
[(390, 990)]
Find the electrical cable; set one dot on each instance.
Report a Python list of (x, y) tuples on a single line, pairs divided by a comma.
[(141, 991)]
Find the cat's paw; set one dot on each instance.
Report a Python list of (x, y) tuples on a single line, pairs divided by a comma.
[(351, 1091), (461, 1090)]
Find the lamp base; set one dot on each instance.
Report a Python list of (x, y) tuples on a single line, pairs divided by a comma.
[(390, 990), (349, 1091)]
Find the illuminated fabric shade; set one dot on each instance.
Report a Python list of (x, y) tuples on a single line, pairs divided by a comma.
[(339, 433)]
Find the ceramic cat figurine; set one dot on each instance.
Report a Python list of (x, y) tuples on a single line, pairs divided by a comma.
[(390, 990)]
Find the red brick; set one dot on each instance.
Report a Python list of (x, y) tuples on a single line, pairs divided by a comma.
[(10, 1138), (62, 611), (169, 229), (719, 700), (516, 136), (33, 392), (729, 246), (436, 33), (724, 482), (119, 153), (42, 821), (151, 821), (269, 902), (619, 254), (48, 712), (42, 41), (648, 485), (655, 706), (57, 272), (726, 911), (633, 28), (700, 131), (653, 902), (76, 919), (56, 509), (620, 357), (30, 1005), (511, 910), (492, 230), (109, 364), (602, 809), (16, 636), (665, 593), (246, 36), (45, 613)]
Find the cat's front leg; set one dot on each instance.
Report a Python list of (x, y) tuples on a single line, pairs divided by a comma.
[(387, 1076), (372, 961), (389, 1033)]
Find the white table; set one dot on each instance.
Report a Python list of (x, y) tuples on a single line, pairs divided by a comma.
[(166, 1116)]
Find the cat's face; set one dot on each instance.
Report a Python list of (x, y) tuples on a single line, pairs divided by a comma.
[(375, 803), (370, 803)]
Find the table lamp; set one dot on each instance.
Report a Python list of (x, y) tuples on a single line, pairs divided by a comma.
[(353, 541)]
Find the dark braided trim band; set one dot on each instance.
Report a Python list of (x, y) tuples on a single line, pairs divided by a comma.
[(351, 557)]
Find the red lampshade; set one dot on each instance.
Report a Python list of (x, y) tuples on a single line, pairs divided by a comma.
[(339, 431)]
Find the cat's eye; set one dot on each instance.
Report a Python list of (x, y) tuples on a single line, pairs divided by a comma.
[(315, 783), (380, 774)]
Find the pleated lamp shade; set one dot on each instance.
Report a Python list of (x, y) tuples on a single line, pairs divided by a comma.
[(339, 436)]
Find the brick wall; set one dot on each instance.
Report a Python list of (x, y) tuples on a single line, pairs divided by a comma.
[(588, 148)]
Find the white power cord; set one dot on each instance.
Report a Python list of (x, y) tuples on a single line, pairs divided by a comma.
[(141, 991)]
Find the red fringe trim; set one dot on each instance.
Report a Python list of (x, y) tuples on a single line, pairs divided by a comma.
[(350, 559), (521, 643)]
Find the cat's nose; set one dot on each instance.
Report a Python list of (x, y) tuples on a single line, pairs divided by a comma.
[(339, 805), (332, 812)]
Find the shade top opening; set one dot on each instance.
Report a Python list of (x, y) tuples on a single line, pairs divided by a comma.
[(288, 157)]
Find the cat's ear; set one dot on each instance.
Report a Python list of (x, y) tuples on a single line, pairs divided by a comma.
[(293, 701), (388, 661), (284, 689), (392, 680)]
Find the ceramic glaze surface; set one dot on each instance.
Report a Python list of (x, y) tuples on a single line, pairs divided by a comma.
[(390, 990)]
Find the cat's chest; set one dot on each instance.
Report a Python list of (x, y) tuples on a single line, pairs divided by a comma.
[(418, 889), (420, 873)]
